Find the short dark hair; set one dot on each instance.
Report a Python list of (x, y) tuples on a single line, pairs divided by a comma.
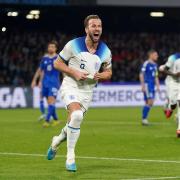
[(92, 16), (54, 42), (151, 51)]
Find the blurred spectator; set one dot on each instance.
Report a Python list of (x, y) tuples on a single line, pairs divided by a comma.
[(20, 53)]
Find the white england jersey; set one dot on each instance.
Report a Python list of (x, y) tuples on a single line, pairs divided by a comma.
[(78, 57), (173, 64)]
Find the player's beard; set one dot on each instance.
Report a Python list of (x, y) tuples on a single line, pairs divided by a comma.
[(92, 38)]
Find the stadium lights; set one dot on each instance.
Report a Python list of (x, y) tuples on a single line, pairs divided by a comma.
[(34, 12), (32, 16), (13, 13), (36, 16), (157, 14), (29, 16), (3, 29)]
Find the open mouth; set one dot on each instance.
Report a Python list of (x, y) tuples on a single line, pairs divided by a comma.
[(96, 34)]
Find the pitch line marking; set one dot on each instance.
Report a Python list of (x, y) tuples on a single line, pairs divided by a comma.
[(157, 178), (127, 123), (105, 158), (96, 158)]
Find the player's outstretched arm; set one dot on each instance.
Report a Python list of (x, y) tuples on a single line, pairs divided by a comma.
[(41, 78), (141, 78), (62, 67), (35, 77)]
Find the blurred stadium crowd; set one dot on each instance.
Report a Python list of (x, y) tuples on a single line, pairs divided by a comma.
[(20, 53)]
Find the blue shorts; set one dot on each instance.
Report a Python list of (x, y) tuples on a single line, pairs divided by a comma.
[(49, 91), (149, 93)]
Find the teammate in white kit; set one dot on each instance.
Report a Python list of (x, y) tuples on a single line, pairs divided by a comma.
[(85, 57), (172, 70)]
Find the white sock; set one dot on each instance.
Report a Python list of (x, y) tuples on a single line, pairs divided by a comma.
[(63, 135), (73, 132), (58, 139), (168, 106), (72, 137)]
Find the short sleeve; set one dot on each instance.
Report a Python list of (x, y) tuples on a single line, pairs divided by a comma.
[(169, 62), (108, 61), (143, 67), (66, 53)]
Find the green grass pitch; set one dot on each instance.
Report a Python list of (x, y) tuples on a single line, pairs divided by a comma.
[(112, 145)]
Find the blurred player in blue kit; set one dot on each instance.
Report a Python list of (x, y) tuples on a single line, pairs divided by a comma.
[(149, 79), (49, 83)]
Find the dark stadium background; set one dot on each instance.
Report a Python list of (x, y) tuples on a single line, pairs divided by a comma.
[(130, 32)]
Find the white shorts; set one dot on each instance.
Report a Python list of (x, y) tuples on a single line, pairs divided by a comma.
[(71, 94), (173, 92)]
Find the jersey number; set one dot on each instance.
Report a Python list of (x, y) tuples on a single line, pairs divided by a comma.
[(153, 73), (82, 66), (49, 67)]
